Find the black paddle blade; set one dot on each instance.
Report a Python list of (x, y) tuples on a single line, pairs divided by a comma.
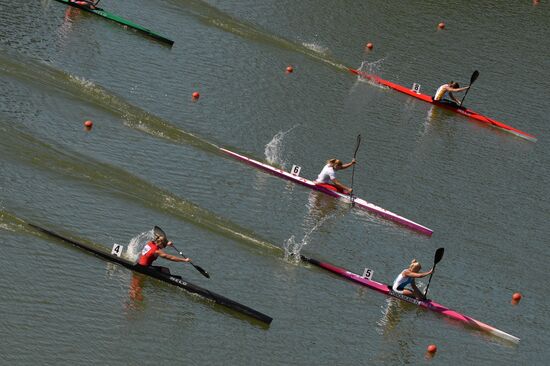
[(474, 77), (201, 270), (357, 145), (438, 255), (158, 231)]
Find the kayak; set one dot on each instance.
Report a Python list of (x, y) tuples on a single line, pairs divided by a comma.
[(427, 304), (357, 202), (165, 277), (116, 18), (460, 110)]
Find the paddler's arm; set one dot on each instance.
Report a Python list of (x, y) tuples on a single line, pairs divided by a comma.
[(408, 273), (345, 166), (459, 89), (451, 90), (172, 258)]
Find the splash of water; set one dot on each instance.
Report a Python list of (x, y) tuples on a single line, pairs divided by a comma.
[(293, 247), (137, 243), (373, 67), (316, 48), (274, 148)]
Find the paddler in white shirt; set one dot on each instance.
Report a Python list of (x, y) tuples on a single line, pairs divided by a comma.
[(407, 277), (327, 177), (449, 88)]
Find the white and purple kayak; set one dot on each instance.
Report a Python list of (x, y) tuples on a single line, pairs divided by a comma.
[(358, 202), (428, 304)]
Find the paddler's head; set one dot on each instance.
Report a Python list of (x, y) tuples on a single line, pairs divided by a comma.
[(415, 266), (454, 84), (335, 163), (161, 241)]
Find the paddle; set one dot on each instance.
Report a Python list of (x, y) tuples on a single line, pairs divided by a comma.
[(158, 231), (473, 78), (353, 170), (198, 268), (438, 255)]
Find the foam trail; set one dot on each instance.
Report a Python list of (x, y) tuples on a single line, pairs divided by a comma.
[(212, 16), (71, 165)]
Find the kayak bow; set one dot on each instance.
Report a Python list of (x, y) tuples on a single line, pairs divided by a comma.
[(165, 277), (358, 202), (427, 304), (460, 110), (116, 18)]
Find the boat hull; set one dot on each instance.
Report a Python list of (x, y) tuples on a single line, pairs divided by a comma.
[(358, 202), (428, 99), (165, 277), (427, 304), (120, 20)]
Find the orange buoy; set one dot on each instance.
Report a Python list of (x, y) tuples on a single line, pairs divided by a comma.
[(88, 125), (441, 25), (289, 69), (516, 297), (432, 348), (196, 95), (369, 46)]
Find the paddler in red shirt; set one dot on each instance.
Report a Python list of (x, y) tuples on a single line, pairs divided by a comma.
[(153, 250)]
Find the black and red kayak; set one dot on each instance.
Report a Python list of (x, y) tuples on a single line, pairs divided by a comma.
[(162, 276), (429, 99)]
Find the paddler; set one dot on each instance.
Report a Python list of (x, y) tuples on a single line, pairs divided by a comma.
[(449, 88), (85, 3), (327, 177), (407, 277), (153, 249)]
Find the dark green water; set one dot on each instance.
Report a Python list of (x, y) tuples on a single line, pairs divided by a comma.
[(152, 159)]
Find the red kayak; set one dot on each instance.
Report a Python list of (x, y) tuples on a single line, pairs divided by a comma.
[(460, 110)]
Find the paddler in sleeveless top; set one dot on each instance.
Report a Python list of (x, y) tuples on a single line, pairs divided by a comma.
[(407, 277), (327, 177), (449, 88), (153, 249), (86, 3)]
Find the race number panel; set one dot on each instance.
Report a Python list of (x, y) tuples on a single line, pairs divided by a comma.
[(416, 88), (367, 273), (117, 250), (295, 170)]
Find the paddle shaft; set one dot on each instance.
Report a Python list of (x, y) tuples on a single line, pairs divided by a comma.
[(438, 256), (198, 268), (353, 168)]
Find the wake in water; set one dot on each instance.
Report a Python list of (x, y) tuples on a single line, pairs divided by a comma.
[(212, 16), (42, 73), (274, 148), (109, 178)]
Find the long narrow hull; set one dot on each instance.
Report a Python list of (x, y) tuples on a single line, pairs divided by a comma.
[(428, 99), (116, 18), (358, 202), (428, 304), (168, 278)]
